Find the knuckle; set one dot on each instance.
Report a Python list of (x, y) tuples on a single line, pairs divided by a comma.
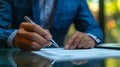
[(35, 46), (79, 36), (33, 43), (75, 41), (45, 42), (34, 27), (22, 24), (85, 40), (19, 32), (33, 35)]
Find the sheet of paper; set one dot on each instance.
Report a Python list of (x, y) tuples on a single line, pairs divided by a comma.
[(116, 45), (59, 54)]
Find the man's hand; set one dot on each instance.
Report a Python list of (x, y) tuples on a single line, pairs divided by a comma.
[(31, 37), (79, 40)]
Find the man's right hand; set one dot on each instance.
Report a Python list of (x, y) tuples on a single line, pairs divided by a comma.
[(31, 37)]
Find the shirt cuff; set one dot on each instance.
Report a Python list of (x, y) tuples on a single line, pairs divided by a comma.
[(10, 39), (94, 37)]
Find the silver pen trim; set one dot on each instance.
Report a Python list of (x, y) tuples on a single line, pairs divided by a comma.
[(28, 19), (54, 43)]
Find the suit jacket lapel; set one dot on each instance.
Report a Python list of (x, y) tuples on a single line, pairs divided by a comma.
[(51, 17), (36, 11)]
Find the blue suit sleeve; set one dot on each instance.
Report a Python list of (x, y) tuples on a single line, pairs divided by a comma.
[(86, 23), (5, 22)]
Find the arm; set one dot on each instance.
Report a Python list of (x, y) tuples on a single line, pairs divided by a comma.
[(86, 23), (89, 32), (5, 22), (27, 36)]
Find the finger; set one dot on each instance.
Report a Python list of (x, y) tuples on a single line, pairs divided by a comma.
[(90, 45), (88, 42), (87, 45), (34, 37), (27, 44), (76, 41), (36, 28), (49, 36), (70, 40), (83, 42)]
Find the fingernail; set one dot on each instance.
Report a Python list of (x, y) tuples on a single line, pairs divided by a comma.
[(48, 37)]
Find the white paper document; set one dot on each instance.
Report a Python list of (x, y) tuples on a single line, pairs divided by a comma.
[(59, 54)]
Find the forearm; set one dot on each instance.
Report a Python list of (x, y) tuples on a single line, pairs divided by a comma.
[(5, 22), (6, 37), (86, 23)]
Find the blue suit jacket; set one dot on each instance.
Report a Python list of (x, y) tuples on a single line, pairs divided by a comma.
[(66, 12)]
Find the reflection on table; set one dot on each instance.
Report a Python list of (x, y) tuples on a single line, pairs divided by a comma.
[(17, 58)]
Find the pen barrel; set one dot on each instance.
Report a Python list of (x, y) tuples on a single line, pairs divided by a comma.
[(54, 43), (28, 20)]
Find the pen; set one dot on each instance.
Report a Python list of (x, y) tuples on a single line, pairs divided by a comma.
[(51, 40)]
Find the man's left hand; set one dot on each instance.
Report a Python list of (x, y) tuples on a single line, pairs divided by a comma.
[(79, 40)]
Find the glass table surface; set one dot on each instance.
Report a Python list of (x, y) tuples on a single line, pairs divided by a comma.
[(18, 58)]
